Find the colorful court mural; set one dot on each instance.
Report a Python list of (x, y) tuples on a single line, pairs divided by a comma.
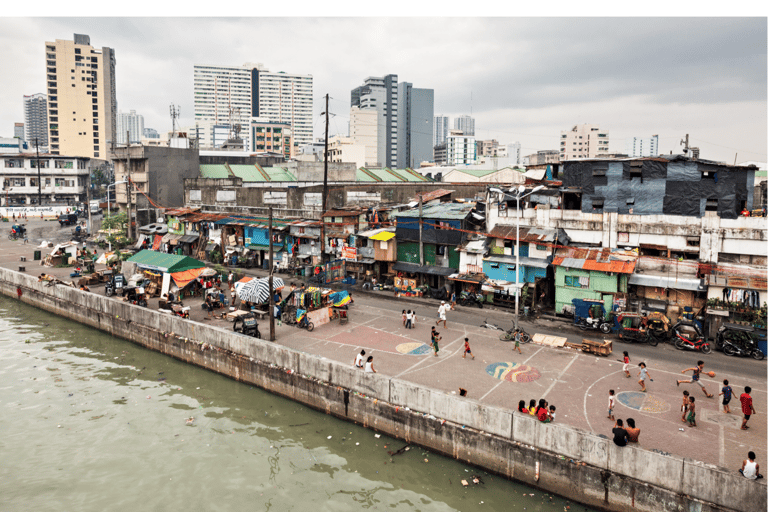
[(642, 401), (414, 349), (513, 372)]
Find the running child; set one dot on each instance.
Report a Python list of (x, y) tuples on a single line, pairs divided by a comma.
[(626, 364), (727, 394), (467, 350), (643, 375)]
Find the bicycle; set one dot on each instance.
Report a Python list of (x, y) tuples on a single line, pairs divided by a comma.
[(510, 336)]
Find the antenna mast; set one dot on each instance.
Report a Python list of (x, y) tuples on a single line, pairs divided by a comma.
[(175, 112)]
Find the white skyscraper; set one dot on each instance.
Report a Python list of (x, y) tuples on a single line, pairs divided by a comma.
[(513, 153), (232, 95), (466, 124), (132, 123), (460, 149), (441, 130), (636, 147)]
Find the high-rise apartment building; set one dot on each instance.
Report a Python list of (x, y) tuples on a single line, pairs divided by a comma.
[(415, 116), (441, 130), (513, 153), (132, 123), (36, 119), (466, 124), (82, 100), (637, 147), (583, 141), (226, 96), (150, 133), (460, 149), (18, 131), (363, 130), (381, 94)]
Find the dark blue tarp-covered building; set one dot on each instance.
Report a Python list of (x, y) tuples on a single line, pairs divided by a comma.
[(664, 185)]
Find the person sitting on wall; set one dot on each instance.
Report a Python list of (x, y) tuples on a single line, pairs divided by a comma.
[(745, 212)]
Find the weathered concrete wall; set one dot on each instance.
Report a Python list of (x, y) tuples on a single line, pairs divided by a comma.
[(580, 465)]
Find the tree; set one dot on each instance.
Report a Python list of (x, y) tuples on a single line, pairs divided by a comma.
[(116, 227)]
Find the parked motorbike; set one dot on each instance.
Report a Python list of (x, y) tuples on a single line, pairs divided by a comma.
[(247, 325), (737, 341), (685, 341), (601, 324), (470, 299)]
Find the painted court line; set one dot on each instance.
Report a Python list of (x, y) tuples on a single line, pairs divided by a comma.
[(502, 381), (575, 356)]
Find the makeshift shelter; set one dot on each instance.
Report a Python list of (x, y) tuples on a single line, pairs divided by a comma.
[(182, 269)]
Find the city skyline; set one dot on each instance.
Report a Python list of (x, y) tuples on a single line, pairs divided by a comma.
[(666, 76)]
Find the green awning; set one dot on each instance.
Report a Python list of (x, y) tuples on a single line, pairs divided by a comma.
[(162, 262)]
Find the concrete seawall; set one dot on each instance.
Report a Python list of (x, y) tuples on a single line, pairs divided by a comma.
[(571, 462)]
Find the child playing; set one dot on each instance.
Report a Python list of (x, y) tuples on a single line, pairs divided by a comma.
[(684, 407), (727, 394), (467, 350), (517, 341), (643, 375), (404, 318), (611, 403), (552, 409), (692, 412), (532, 407), (626, 364)]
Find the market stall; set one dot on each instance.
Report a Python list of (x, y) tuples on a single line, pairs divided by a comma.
[(183, 270), (314, 303)]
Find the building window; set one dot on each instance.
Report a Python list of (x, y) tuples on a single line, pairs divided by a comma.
[(711, 205), (577, 281), (597, 204)]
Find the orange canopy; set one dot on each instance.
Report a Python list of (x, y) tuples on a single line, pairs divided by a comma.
[(185, 277)]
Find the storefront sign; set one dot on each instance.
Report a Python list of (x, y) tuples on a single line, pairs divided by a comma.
[(349, 253)]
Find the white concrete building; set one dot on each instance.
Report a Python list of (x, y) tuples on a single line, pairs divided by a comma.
[(132, 123), (636, 146), (64, 179), (513, 152), (440, 130), (583, 141), (286, 98), (343, 149), (363, 130), (460, 148)]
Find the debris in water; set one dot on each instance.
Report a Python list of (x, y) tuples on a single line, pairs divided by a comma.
[(464, 483)]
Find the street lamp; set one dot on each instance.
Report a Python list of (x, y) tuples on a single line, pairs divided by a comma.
[(109, 209), (520, 194)]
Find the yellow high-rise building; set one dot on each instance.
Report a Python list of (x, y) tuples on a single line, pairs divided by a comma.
[(82, 104)]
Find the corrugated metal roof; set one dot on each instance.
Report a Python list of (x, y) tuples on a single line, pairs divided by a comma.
[(661, 281), (279, 174), (163, 262), (214, 171), (456, 211), (526, 234), (511, 260), (248, 173), (620, 267), (429, 196)]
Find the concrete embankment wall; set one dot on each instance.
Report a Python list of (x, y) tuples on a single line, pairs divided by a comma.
[(571, 462)]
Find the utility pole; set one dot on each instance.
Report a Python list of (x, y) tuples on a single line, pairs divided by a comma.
[(421, 226), (39, 179), (128, 179), (325, 173), (271, 291)]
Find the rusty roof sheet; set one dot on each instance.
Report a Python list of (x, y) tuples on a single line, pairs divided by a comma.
[(343, 213), (526, 234), (620, 267), (429, 196)]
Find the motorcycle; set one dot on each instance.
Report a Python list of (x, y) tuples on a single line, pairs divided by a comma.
[(737, 341), (247, 325), (469, 299), (690, 341), (601, 324)]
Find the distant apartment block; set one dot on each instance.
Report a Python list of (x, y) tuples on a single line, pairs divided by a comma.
[(583, 141), (460, 149), (466, 124), (18, 131), (150, 133), (82, 100), (513, 153), (416, 112), (380, 94), (363, 130), (441, 130), (547, 156), (639, 147), (487, 147), (269, 137), (226, 96), (132, 123), (36, 119)]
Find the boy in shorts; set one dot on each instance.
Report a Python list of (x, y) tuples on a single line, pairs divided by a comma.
[(695, 376), (517, 341), (746, 407), (692, 412), (467, 350), (727, 394), (611, 403), (684, 407)]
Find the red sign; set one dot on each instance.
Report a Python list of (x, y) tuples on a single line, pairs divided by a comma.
[(349, 253)]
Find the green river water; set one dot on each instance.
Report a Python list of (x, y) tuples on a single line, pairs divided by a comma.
[(95, 423)]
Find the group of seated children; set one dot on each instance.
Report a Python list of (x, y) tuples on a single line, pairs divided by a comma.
[(544, 412)]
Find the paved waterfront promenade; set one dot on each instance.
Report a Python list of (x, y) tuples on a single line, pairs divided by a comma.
[(575, 382)]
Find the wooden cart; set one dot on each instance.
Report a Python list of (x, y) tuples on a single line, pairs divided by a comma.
[(600, 348)]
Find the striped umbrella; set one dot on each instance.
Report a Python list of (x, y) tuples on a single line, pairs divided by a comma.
[(254, 291)]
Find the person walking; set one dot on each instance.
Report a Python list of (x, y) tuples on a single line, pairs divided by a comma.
[(369, 366), (626, 364), (611, 404), (643, 374), (231, 280), (518, 335), (686, 401), (691, 418), (453, 300), (408, 319), (404, 318), (359, 359), (467, 350), (695, 376), (441, 315), (435, 342), (746, 406), (727, 393)]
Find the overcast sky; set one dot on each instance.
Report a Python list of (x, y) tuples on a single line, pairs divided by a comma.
[(523, 79)]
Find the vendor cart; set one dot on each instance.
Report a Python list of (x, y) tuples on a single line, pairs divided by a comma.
[(600, 348), (341, 314)]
